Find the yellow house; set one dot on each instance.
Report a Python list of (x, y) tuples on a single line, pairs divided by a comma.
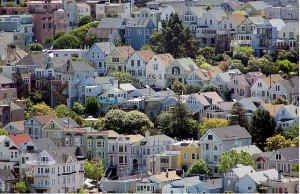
[(189, 152)]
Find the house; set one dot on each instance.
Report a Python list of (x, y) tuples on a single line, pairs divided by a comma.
[(191, 17), (172, 9), (251, 149), (203, 76), (16, 127), (138, 32), (265, 35), (220, 110), (282, 159), (137, 98), (33, 126), (137, 62), (116, 60), (8, 93), (10, 112), (218, 140), (287, 116), (97, 54), (118, 10), (154, 183), (156, 70), (239, 87), (208, 26), (254, 8), (295, 95), (215, 4), (271, 108), (168, 103), (251, 105), (8, 179), (286, 13), (69, 7), (232, 5), (148, 146), (283, 88), (261, 87), (179, 70), (287, 37), (124, 184), (68, 53), (162, 162), (146, 12), (81, 10)]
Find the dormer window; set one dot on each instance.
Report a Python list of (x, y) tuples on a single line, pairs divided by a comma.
[(277, 88), (278, 156), (235, 82), (259, 85)]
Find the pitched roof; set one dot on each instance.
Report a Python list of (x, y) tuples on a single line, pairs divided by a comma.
[(166, 59), (4, 173), (210, 2), (137, 22), (293, 110), (230, 133), (201, 99), (40, 61), (226, 106), (112, 133), (278, 23), (75, 66), (5, 80), (125, 51), (104, 80), (43, 119), (219, 14), (101, 33), (294, 26), (235, 5), (163, 176), (155, 140), (18, 125), (251, 149), (237, 18), (82, 5), (271, 108), (242, 79), (199, 11), (290, 153), (225, 76), (186, 182), (146, 55), (187, 63), (66, 122), (271, 80), (127, 87), (289, 84), (258, 5), (111, 23), (44, 143), (179, 9), (212, 97), (19, 139), (62, 154), (256, 20), (134, 138), (212, 183)]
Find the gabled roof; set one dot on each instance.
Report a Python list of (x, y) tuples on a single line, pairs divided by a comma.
[(237, 19), (155, 140), (66, 122), (212, 97), (82, 5), (289, 84), (290, 153), (179, 9), (4, 174), (291, 26), (271, 80), (104, 80), (213, 183), (278, 23), (187, 63), (138, 22), (226, 106), (163, 176), (201, 99), (230, 133), (219, 14), (62, 154), (125, 51), (43, 119), (251, 149), (40, 61), (271, 108), (235, 5), (291, 109), (44, 143), (242, 79), (18, 125), (19, 139), (186, 182), (112, 134), (5, 80), (199, 11), (209, 2), (166, 59), (127, 87), (146, 55), (258, 5), (256, 20), (75, 66), (209, 73), (225, 76), (111, 23), (134, 138)]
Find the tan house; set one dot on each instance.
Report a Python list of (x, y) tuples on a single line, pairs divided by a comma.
[(254, 8)]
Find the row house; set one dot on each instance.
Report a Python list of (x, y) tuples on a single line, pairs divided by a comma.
[(81, 10), (14, 10), (33, 126), (118, 10), (222, 79), (49, 18), (116, 60), (232, 6), (191, 17), (220, 110), (172, 9), (8, 179), (69, 7), (287, 37), (254, 8), (287, 116), (68, 53), (203, 76), (286, 13), (15, 127), (11, 111), (153, 14)]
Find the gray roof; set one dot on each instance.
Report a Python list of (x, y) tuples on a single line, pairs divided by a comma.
[(104, 80), (209, 2), (225, 105), (235, 5), (293, 110), (199, 11), (164, 93), (75, 66), (66, 122), (186, 181), (290, 153), (61, 154), (212, 183), (258, 4), (127, 87), (219, 14), (44, 143), (146, 91), (111, 23), (156, 139), (40, 61), (257, 20), (278, 23), (137, 22), (5, 80), (4, 173), (251, 149), (230, 132), (291, 26), (289, 84), (106, 47), (179, 9), (225, 76)]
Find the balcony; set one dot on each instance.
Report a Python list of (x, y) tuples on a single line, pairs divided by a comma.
[(38, 174), (40, 162), (33, 75), (39, 186)]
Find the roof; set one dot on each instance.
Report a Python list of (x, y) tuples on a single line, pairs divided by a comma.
[(289, 84), (66, 122), (237, 18), (242, 79), (112, 133), (21, 53), (101, 33), (146, 55), (137, 22), (40, 61), (75, 66), (199, 11), (163, 178), (235, 5), (293, 110), (271, 108), (186, 181), (212, 183), (104, 80), (4, 173), (43, 119), (179, 9), (166, 59), (225, 76), (62, 154), (18, 125), (209, 2), (44, 143), (127, 87), (271, 80), (278, 23), (240, 170), (187, 63), (230, 133), (201, 99), (294, 26), (2, 137), (155, 140), (219, 14), (5, 80), (82, 5), (111, 23), (106, 47), (251, 149), (258, 5), (19, 139), (256, 20), (134, 138), (290, 153), (125, 51), (212, 97)]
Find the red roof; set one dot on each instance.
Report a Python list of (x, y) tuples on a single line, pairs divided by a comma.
[(19, 139)]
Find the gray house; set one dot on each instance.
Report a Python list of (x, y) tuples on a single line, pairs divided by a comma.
[(33, 126)]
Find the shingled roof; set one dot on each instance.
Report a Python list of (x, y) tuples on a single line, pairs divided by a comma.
[(230, 133)]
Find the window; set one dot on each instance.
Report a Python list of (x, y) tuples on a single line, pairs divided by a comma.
[(128, 42), (193, 156), (138, 63), (140, 72), (215, 147), (139, 32), (121, 148), (278, 156), (259, 85), (115, 60), (211, 22), (128, 32), (132, 63), (277, 88), (155, 66), (215, 158), (207, 146), (99, 143), (243, 28), (184, 156), (210, 137), (6, 144)]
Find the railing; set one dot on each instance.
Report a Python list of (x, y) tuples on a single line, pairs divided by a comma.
[(40, 162), (39, 186)]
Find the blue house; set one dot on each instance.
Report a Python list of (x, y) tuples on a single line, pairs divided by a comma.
[(138, 32), (231, 6)]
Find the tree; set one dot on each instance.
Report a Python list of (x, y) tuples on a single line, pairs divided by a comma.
[(212, 123), (277, 142), (178, 86), (42, 109), (280, 100), (292, 55), (286, 66), (62, 111), (136, 122), (254, 64), (208, 7), (231, 158), (243, 53), (124, 77), (58, 34), (36, 47), (224, 65), (199, 60), (78, 108), (3, 132), (238, 115), (174, 38), (178, 122), (91, 40), (211, 88), (114, 120), (292, 132), (92, 106), (262, 126), (99, 124), (36, 97), (295, 167), (236, 64), (48, 40), (190, 89), (118, 42), (85, 20), (22, 187), (94, 169), (199, 167), (269, 67), (12, 4), (66, 41), (209, 53), (146, 47)]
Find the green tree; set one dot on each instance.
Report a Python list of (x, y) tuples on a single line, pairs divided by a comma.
[(292, 55), (180, 123), (92, 106), (22, 187), (243, 53), (94, 169), (118, 42), (199, 60), (237, 64), (209, 53), (277, 142), (66, 41), (78, 108), (190, 89), (85, 20), (262, 126), (280, 100), (231, 158), (286, 66), (42, 109), (91, 40), (124, 77), (254, 64), (36, 47), (295, 167), (174, 38), (208, 7), (210, 88), (269, 67), (136, 122), (146, 47), (12, 4), (199, 167), (3, 132), (292, 132), (62, 111), (212, 123), (36, 97), (79, 120), (48, 40), (114, 120), (178, 86), (100, 124), (238, 116), (58, 34)]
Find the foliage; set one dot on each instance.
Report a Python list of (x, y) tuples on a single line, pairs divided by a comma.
[(12, 4), (178, 122), (66, 41), (48, 40), (209, 53), (280, 100), (285, 66), (277, 142), (174, 38), (178, 86), (199, 167), (212, 123), (146, 47), (204, 65), (190, 89), (58, 34), (262, 126), (243, 53), (79, 120), (85, 20), (3, 132), (254, 64), (22, 187), (36, 47), (28, 109), (295, 167), (238, 115), (114, 119), (236, 64), (62, 111), (36, 97), (199, 60), (78, 108), (227, 95), (269, 67), (292, 55), (224, 65), (208, 7), (124, 77), (118, 42), (244, 13), (91, 40), (99, 124), (81, 32), (42, 109), (231, 158), (211, 88), (94, 169), (292, 132), (92, 106)]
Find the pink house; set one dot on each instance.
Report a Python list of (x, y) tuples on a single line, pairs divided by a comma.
[(48, 18)]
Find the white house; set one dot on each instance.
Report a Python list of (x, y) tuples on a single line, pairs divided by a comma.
[(33, 126), (283, 88), (203, 76), (287, 116)]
